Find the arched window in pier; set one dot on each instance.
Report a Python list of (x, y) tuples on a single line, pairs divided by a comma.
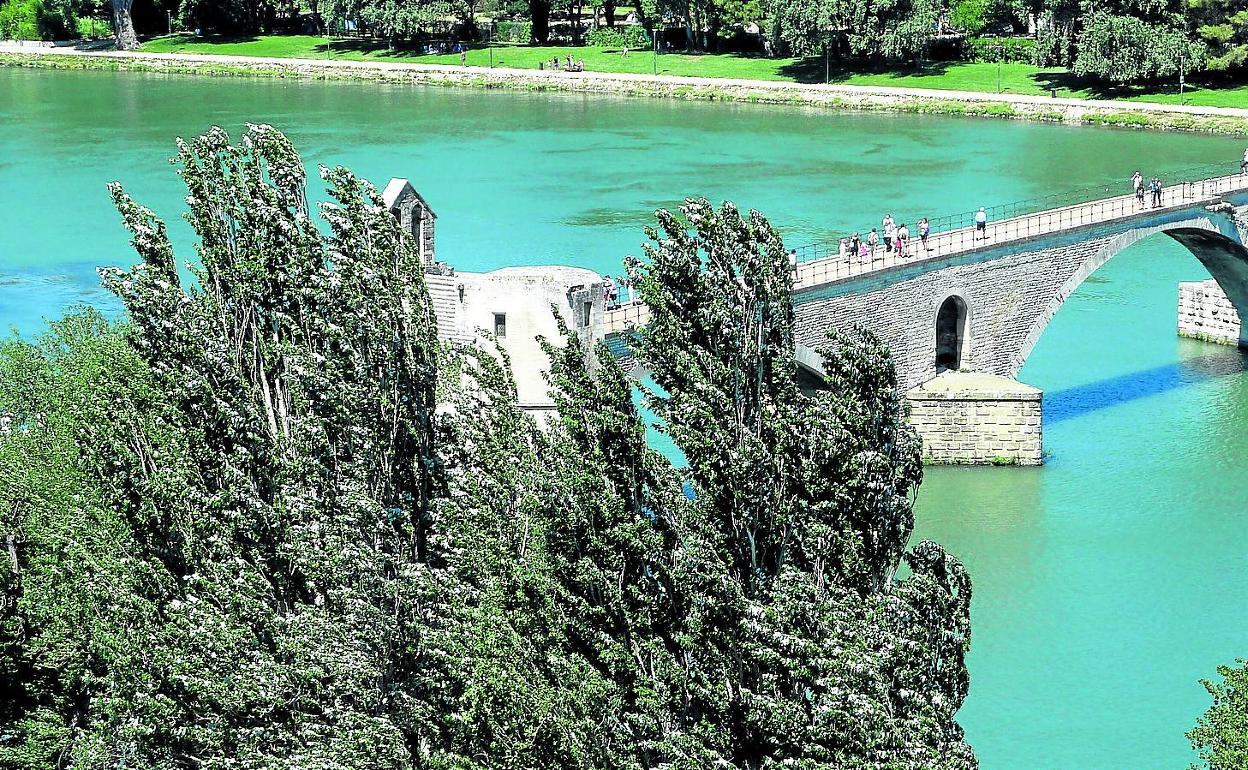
[(950, 332)]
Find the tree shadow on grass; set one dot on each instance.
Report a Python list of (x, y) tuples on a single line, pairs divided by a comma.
[(815, 69), (189, 39)]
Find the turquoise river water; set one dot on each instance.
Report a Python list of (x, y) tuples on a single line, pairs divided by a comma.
[(1106, 583)]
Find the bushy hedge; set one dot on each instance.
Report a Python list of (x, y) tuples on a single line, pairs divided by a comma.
[(36, 20), (513, 31), (605, 37), (1015, 50)]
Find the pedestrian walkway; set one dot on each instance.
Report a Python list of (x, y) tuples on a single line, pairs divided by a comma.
[(828, 266)]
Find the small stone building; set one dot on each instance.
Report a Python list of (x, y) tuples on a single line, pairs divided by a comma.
[(512, 304)]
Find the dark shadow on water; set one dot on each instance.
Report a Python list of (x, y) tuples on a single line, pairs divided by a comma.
[(1084, 399)]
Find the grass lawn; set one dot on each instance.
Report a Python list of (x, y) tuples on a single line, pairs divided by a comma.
[(958, 76)]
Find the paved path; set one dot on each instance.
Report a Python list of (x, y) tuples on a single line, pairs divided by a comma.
[(347, 65), (819, 272)]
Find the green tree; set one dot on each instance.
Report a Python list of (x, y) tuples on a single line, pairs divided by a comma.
[(1124, 49), (895, 30), (1221, 735), (800, 519)]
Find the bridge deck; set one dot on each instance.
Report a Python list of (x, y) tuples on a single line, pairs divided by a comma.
[(819, 272)]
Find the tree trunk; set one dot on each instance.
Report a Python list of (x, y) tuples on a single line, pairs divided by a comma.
[(574, 15), (123, 26), (539, 12), (608, 10)]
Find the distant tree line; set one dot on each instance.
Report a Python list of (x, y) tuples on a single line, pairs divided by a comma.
[(1119, 41)]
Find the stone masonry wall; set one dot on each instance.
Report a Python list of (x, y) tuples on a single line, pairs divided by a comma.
[(1011, 292), (968, 419), (1205, 313), (1004, 298)]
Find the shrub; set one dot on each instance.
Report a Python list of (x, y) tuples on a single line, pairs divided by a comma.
[(36, 20), (513, 32), (635, 37), (1015, 50), (605, 37)]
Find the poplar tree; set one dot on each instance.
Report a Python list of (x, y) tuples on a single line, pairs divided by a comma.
[(268, 520)]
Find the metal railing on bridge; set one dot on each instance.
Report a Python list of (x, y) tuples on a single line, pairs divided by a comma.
[(824, 262)]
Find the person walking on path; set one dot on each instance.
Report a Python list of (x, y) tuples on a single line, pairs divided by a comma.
[(890, 230), (873, 242), (925, 228), (981, 224), (608, 292), (1137, 184)]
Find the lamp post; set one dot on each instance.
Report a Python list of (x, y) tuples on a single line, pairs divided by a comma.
[(654, 59), (1181, 100), (490, 43), (1000, 55)]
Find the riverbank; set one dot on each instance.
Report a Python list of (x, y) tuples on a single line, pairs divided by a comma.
[(834, 96), (984, 77)]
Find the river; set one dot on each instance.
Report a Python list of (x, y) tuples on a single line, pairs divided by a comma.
[(1106, 583)]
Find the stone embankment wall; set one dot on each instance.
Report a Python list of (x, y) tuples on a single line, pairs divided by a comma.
[(1206, 314), (871, 98), (978, 419)]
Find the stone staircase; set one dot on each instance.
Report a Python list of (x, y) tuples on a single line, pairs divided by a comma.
[(444, 292)]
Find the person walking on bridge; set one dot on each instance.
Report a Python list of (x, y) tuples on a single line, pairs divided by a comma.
[(902, 238), (1137, 184), (925, 228), (1243, 164), (890, 231), (873, 242), (1155, 187), (981, 224)]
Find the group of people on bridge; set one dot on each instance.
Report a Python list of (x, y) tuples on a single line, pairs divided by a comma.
[(896, 240), (1154, 188)]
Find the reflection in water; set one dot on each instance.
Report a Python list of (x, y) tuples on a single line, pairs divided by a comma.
[(1081, 399)]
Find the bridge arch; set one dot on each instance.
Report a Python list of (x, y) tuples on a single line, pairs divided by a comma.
[(951, 326), (1212, 237)]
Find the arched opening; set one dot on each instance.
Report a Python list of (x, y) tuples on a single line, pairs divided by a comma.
[(950, 331)]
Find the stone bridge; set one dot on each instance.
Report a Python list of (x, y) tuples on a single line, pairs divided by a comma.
[(980, 304)]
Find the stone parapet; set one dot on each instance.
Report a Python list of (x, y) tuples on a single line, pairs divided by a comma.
[(967, 418), (1205, 313)]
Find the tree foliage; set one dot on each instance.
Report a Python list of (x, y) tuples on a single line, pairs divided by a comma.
[(269, 521), (1123, 49), (1221, 735)]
